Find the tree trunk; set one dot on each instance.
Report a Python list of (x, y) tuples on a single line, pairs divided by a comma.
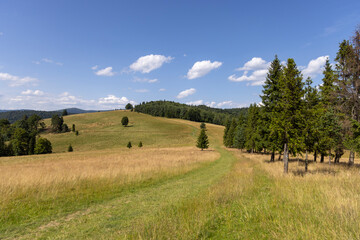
[(306, 161), (322, 158), (329, 156), (279, 159), (286, 158), (315, 156), (272, 156), (351, 158)]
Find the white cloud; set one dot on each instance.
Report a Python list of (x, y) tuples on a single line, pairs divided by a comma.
[(136, 79), (186, 93), (315, 67), (94, 67), (148, 63), (195, 103), (256, 78), (254, 64), (15, 81), (33, 93), (141, 90), (201, 68), (105, 72), (162, 90), (47, 60)]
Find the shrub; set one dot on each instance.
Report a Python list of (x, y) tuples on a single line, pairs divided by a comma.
[(125, 121), (77, 133), (70, 148), (140, 144), (43, 146), (129, 145)]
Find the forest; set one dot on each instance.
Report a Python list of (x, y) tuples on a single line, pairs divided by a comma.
[(296, 118), (200, 113)]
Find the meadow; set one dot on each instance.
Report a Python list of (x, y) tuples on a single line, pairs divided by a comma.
[(168, 189)]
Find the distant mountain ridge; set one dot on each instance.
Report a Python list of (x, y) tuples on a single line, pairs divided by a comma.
[(14, 115)]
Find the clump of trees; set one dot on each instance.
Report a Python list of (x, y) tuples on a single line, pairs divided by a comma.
[(129, 106), (296, 117), (21, 137), (58, 125)]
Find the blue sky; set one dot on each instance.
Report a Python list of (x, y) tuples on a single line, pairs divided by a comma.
[(103, 54)]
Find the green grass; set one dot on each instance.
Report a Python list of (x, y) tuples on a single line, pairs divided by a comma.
[(103, 130), (237, 196)]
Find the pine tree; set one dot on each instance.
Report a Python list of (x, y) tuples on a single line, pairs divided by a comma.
[(202, 141), (140, 144), (202, 126), (328, 88), (251, 127), (129, 145), (73, 128)]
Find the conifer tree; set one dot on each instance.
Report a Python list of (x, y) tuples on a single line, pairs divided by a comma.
[(73, 128), (288, 121), (140, 144), (129, 145), (229, 141), (202, 126), (202, 141), (270, 99), (251, 127)]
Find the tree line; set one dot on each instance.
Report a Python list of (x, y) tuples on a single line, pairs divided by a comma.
[(193, 113), (23, 136), (296, 117)]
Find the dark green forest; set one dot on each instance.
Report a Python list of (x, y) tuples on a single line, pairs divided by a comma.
[(297, 118), (200, 113)]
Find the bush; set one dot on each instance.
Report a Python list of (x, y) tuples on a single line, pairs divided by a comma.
[(129, 106), (129, 145), (73, 128), (125, 121), (70, 148), (43, 146), (140, 144), (77, 133)]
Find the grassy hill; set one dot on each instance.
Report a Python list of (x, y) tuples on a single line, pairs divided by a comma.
[(169, 189), (103, 130)]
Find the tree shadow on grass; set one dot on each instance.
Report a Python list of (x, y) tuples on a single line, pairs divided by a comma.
[(327, 171)]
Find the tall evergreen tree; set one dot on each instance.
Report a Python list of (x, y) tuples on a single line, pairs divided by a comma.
[(270, 99), (288, 121), (229, 141), (251, 127), (202, 141)]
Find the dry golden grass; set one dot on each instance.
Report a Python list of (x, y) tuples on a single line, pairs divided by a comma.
[(44, 172)]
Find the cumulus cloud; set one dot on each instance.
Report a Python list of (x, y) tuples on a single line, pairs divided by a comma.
[(94, 67), (195, 103), (201, 68), (33, 93), (42, 101), (254, 64), (254, 72), (105, 72), (148, 63), (186, 93), (15, 81), (315, 67), (256, 78)]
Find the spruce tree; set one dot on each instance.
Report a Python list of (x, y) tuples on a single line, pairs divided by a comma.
[(251, 127), (129, 145), (202, 141), (270, 99), (140, 144), (229, 141), (73, 128), (203, 126), (288, 121)]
